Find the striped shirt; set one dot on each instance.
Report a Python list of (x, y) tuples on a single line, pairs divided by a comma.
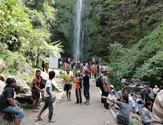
[(157, 114), (36, 82)]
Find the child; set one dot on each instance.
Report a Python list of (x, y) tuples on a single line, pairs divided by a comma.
[(78, 88), (46, 67), (135, 108), (146, 114), (112, 93), (123, 116)]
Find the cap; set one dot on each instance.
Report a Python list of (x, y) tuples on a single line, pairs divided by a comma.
[(111, 86), (10, 81)]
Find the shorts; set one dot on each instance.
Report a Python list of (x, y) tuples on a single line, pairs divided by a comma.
[(67, 87), (12, 110), (35, 94)]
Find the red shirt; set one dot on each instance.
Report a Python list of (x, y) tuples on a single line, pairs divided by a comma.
[(36, 82)]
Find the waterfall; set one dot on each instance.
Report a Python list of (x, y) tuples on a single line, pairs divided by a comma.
[(76, 40)]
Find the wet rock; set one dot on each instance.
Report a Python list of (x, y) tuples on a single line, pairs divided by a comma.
[(2, 85), (2, 66), (22, 98), (24, 69), (22, 86), (6, 119)]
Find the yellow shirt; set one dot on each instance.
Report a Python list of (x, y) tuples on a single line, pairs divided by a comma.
[(68, 77)]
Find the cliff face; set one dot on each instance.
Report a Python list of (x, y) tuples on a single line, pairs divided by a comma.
[(123, 21)]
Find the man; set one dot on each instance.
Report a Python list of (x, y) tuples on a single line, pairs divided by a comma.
[(68, 84), (36, 90), (106, 87), (48, 98), (119, 94), (148, 94), (7, 103), (157, 111), (86, 87)]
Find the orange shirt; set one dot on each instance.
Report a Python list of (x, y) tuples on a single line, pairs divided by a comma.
[(77, 84)]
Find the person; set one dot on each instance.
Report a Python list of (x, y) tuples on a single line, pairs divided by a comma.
[(155, 90), (112, 93), (78, 88), (68, 78), (106, 87), (145, 113), (101, 87), (36, 89), (90, 71), (119, 94), (7, 103), (95, 71), (43, 65), (48, 98), (135, 108), (86, 88), (157, 111), (47, 67), (122, 117), (148, 94)]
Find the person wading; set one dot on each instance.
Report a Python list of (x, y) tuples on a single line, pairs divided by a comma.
[(68, 84), (36, 90), (7, 103)]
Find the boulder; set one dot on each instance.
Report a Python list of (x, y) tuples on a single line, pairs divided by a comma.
[(22, 86), (6, 119), (24, 69), (24, 98), (2, 66), (2, 85)]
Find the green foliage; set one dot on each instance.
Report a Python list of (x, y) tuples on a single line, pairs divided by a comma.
[(143, 61), (26, 105)]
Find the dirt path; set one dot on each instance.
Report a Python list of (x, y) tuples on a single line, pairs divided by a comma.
[(69, 113)]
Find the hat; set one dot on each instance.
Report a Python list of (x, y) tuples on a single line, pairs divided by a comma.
[(111, 86), (10, 81), (134, 95)]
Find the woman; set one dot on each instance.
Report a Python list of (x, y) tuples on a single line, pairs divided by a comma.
[(146, 114), (7, 103)]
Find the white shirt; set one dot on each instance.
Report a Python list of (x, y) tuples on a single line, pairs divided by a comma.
[(48, 84)]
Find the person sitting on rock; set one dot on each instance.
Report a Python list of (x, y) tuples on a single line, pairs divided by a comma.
[(135, 108), (145, 113), (119, 94), (122, 117), (7, 103)]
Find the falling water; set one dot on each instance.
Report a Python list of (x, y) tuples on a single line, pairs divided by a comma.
[(76, 40)]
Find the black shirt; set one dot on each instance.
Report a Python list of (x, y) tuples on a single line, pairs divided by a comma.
[(86, 81), (7, 93)]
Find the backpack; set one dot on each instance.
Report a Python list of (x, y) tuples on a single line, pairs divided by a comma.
[(99, 82)]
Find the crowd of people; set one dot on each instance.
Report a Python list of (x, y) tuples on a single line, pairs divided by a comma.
[(150, 109)]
